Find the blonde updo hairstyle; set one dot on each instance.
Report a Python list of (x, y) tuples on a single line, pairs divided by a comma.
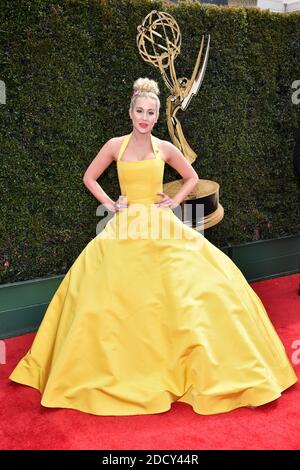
[(145, 87)]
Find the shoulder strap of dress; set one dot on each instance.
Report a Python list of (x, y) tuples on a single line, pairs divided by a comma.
[(123, 145), (155, 147)]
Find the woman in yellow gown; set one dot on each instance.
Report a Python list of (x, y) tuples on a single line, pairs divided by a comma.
[(151, 312)]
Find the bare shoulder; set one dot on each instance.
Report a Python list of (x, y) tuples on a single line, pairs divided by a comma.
[(115, 145), (165, 148), (175, 158)]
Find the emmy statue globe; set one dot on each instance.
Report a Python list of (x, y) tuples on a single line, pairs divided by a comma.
[(158, 42)]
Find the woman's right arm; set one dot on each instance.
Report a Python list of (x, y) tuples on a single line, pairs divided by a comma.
[(102, 160)]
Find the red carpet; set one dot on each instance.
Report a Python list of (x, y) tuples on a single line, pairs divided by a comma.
[(25, 424)]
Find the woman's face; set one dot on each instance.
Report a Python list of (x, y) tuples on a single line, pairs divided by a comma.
[(144, 114)]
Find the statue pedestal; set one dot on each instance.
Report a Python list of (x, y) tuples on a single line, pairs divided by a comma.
[(201, 209)]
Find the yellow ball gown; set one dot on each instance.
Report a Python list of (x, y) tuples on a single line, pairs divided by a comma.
[(151, 313)]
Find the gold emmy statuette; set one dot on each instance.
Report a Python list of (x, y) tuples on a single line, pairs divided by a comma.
[(159, 41)]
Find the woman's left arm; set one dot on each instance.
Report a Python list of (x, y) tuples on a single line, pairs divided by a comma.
[(176, 160)]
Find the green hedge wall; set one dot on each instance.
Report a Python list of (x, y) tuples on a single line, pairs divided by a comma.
[(69, 66)]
